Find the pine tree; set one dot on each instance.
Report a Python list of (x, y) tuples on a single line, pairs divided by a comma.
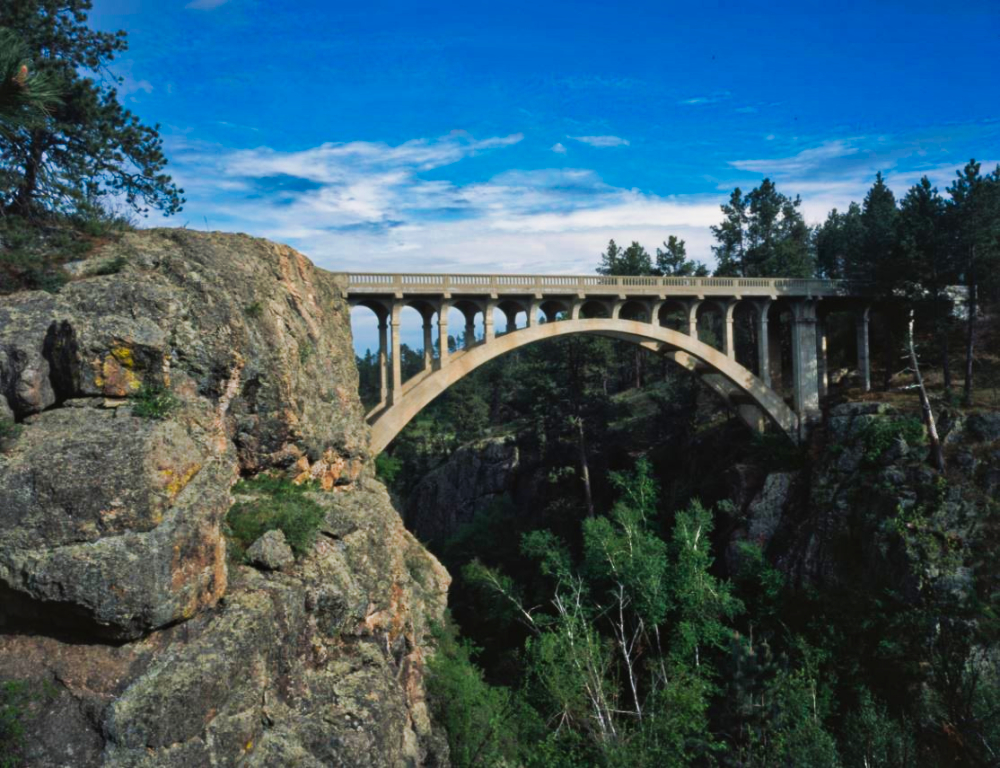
[(26, 96), (731, 234), (838, 242), (672, 260), (878, 217), (974, 227), (634, 260), (88, 146)]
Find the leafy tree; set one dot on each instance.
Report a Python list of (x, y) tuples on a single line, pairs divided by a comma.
[(88, 146), (672, 261)]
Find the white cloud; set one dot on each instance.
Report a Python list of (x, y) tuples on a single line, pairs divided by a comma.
[(558, 148), (601, 141)]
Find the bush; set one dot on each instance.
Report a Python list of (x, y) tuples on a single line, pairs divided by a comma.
[(153, 401), (254, 309), (110, 266), (9, 430), (16, 700), (276, 504), (880, 435)]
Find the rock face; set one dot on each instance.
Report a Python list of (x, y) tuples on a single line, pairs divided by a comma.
[(271, 552), (836, 524), (474, 477), (116, 600), (116, 518)]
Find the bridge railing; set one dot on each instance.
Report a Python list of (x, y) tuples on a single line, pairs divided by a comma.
[(384, 282)]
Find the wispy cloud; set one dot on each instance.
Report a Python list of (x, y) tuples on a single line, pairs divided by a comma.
[(363, 204), (205, 5), (601, 141), (803, 161), (558, 148), (710, 99)]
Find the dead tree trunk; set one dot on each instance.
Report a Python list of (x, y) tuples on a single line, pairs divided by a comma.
[(970, 336), (937, 456)]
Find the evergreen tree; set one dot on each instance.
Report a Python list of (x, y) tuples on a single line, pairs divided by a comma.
[(634, 260), (838, 242), (672, 260), (26, 96), (924, 267), (731, 234), (763, 235), (974, 217), (88, 146), (879, 219)]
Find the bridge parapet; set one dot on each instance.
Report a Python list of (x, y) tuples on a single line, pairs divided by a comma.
[(401, 284)]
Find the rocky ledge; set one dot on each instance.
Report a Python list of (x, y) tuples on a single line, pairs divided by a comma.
[(131, 402)]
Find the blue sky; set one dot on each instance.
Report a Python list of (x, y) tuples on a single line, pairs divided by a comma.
[(522, 136)]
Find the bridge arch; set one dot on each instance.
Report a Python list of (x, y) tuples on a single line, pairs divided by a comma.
[(720, 371)]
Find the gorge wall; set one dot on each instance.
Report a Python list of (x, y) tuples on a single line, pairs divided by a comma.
[(140, 642)]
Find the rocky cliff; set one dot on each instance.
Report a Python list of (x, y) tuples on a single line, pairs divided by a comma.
[(130, 404)]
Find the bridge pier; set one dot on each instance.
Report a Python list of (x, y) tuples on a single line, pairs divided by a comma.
[(383, 360), (805, 366), (864, 358), (443, 308), (763, 355)]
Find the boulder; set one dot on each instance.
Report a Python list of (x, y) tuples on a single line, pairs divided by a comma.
[(109, 521), (271, 552)]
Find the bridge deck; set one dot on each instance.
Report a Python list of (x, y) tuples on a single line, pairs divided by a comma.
[(400, 285)]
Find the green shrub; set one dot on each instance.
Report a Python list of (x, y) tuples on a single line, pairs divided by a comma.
[(275, 504), (16, 698), (879, 436), (110, 266), (153, 401), (387, 468), (254, 309), (306, 351), (9, 430)]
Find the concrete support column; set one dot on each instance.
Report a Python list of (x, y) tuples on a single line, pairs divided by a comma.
[(443, 333), (574, 312), (821, 366), (804, 361), (488, 332), (763, 355), (397, 363), (511, 315), (728, 309), (775, 353), (654, 312), (616, 308), (533, 309), (692, 319), (864, 358), (383, 359), (428, 343)]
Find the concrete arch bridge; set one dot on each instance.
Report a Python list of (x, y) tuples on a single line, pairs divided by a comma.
[(659, 313)]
